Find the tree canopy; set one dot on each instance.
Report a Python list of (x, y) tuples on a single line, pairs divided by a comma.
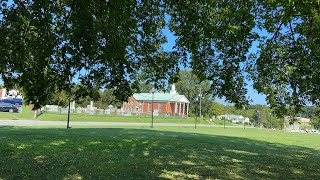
[(217, 109), (190, 85), (47, 45), (286, 69)]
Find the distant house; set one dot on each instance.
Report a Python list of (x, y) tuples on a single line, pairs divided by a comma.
[(303, 120), (299, 119), (4, 94), (235, 118), (162, 103)]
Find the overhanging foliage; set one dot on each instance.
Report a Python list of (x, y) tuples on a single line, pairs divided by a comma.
[(47, 44)]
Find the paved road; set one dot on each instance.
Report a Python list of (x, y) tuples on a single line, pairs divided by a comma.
[(63, 123)]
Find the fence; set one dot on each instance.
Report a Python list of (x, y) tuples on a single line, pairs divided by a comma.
[(52, 109)]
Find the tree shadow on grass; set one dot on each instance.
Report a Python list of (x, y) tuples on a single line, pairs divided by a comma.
[(117, 153)]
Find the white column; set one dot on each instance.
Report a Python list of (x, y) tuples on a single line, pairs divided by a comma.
[(142, 107), (187, 109), (175, 107), (179, 108), (184, 106)]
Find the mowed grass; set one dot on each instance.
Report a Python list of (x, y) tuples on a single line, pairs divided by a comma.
[(100, 118), (159, 153), (27, 114)]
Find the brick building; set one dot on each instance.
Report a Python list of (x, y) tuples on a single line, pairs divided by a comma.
[(163, 103)]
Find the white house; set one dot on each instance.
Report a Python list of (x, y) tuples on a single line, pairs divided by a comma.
[(4, 94), (234, 118)]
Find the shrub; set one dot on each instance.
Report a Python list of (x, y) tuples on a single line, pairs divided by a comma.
[(315, 123)]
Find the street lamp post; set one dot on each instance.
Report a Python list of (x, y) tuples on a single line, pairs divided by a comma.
[(152, 91), (68, 120), (200, 96), (224, 117), (69, 102), (244, 120), (196, 99), (258, 118), (270, 120)]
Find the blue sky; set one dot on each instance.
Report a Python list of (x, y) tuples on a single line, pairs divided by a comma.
[(252, 94)]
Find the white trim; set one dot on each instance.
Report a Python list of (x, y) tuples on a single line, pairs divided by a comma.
[(183, 100), (176, 107), (187, 109), (184, 106)]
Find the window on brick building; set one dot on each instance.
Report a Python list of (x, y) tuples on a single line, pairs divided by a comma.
[(160, 107), (149, 107)]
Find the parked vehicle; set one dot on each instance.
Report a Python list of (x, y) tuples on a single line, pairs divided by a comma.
[(7, 107), (14, 101)]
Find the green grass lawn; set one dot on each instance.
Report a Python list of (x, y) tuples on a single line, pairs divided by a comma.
[(28, 114), (221, 122), (100, 118), (159, 153)]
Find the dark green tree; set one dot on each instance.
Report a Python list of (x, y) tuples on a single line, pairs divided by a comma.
[(315, 121), (59, 98), (288, 57), (217, 109), (189, 85), (307, 112), (47, 45), (144, 88), (107, 98)]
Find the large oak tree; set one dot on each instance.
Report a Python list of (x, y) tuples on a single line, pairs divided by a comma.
[(47, 44)]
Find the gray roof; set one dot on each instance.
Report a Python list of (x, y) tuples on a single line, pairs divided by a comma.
[(160, 97)]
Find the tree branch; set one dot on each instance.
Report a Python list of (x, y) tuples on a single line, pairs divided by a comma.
[(68, 16), (275, 35), (292, 34)]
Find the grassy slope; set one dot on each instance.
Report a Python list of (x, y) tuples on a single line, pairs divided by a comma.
[(167, 153)]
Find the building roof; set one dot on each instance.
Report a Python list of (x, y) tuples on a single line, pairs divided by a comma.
[(161, 97), (234, 116)]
